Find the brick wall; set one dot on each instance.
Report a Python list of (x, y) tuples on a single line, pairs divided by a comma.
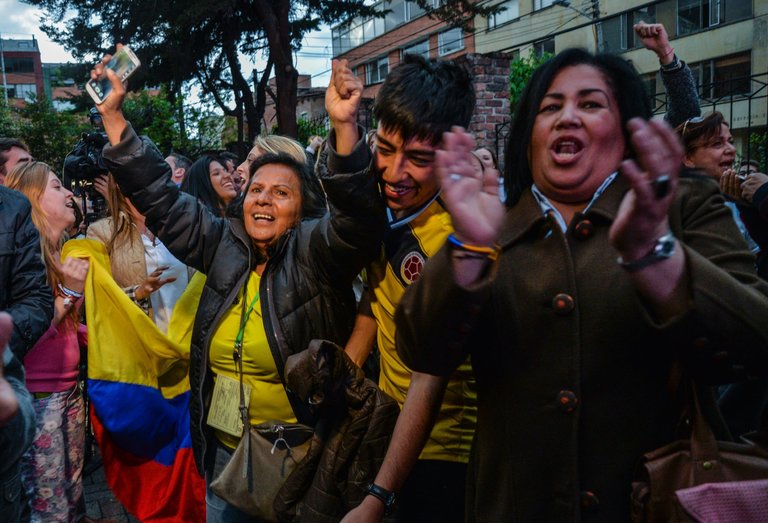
[(491, 78)]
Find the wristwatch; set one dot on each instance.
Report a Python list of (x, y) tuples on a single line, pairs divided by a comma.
[(662, 250), (386, 496)]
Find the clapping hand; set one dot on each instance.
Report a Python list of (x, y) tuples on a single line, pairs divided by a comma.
[(472, 197), (642, 218), (730, 184)]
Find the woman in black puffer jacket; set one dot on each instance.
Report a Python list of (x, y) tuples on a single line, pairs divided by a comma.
[(289, 257)]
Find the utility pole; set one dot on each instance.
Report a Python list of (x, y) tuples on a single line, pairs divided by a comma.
[(597, 28), (2, 66)]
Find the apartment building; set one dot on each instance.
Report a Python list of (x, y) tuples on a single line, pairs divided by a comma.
[(725, 42), (374, 46), (22, 70)]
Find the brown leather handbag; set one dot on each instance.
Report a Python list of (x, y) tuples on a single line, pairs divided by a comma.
[(663, 490)]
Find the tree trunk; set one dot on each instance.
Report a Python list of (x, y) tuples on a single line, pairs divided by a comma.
[(277, 27)]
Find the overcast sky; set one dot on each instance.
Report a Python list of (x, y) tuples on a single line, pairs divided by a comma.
[(19, 21)]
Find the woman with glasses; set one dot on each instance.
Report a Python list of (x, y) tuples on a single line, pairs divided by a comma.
[(708, 144)]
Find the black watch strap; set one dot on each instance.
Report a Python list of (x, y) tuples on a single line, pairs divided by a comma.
[(386, 496)]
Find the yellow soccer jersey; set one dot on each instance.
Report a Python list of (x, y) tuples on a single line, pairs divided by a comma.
[(405, 250)]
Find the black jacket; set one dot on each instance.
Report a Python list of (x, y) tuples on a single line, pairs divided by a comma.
[(24, 293), (306, 288)]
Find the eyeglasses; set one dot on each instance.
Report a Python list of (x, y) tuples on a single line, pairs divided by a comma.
[(694, 120)]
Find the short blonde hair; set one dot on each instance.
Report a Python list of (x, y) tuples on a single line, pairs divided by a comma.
[(276, 144)]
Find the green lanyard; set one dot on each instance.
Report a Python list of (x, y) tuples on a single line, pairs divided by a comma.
[(237, 354), (241, 331)]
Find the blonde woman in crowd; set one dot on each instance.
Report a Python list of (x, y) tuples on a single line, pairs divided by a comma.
[(140, 263)]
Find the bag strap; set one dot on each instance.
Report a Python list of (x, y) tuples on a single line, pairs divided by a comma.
[(704, 449)]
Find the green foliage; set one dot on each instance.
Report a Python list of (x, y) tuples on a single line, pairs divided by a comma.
[(520, 72), (758, 148), (8, 127), (308, 128), (154, 116), (49, 134)]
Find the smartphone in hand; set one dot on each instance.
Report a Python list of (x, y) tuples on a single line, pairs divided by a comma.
[(124, 63)]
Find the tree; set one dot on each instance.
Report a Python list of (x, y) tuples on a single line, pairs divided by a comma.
[(50, 135), (520, 71), (200, 40)]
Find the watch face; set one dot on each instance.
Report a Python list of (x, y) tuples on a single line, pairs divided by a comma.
[(665, 246)]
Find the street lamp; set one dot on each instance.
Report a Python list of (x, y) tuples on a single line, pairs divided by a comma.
[(594, 15)]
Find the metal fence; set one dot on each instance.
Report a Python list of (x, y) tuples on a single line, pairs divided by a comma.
[(745, 108)]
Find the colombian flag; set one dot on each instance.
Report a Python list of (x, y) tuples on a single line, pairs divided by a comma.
[(138, 385)]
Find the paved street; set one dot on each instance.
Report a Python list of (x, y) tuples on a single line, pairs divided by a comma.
[(100, 503)]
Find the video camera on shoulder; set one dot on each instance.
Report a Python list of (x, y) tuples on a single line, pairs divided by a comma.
[(83, 164)]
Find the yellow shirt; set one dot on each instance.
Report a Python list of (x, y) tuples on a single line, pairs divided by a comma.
[(405, 251), (268, 398)]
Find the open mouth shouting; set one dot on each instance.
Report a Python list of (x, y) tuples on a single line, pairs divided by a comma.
[(566, 150)]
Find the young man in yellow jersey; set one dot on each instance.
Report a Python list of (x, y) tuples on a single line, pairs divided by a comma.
[(425, 466)]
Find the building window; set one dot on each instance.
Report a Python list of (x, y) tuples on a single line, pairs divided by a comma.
[(618, 32), (737, 10), (450, 41), (724, 77), (396, 15), (21, 91), (421, 48), (541, 4), (413, 10), (511, 11), (19, 65), (543, 47), (377, 70), (695, 15)]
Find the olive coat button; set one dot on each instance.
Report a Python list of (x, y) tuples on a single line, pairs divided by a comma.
[(567, 401), (583, 230), (589, 499), (563, 304)]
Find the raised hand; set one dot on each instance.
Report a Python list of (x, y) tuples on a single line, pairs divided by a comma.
[(472, 197), (642, 218), (111, 109), (152, 283), (342, 100), (654, 38)]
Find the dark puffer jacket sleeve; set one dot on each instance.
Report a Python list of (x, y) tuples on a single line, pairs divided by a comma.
[(25, 295), (357, 218), (186, 227)]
